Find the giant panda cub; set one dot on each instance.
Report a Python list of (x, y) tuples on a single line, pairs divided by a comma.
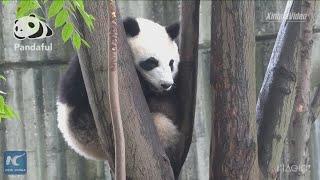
[(156, 59)]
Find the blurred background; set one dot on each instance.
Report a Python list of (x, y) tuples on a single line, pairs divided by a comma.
[(32, 82)]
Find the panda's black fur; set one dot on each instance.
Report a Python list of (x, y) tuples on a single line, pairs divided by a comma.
[(75, 119), (131, 27), (73, 93), (72, 88)]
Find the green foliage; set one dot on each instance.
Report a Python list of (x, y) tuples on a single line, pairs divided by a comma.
[(61, 18), (6, 112), (27, 7), (61, 11), (88, 19), (55, 8), (76, 40), (67, 31), (5, 2)]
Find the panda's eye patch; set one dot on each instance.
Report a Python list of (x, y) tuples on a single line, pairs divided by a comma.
[(31, 25), (149, 64), (171, 64), (16, 28)]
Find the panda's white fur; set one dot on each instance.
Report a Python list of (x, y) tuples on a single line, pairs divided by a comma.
[(75, 119), (31, 27), (91, 150), (167, 131), (153, 41)]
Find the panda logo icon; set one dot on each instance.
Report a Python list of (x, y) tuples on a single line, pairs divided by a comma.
[(31, 27)]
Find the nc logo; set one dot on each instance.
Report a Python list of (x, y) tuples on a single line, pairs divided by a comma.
[(15, 162)]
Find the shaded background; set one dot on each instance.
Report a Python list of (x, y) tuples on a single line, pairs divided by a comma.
[(32, 83)]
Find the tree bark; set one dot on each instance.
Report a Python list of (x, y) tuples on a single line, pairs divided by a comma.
[(300, 125), (233, 144), (142, 144), (276, 98), (186, 81), (113, 94)]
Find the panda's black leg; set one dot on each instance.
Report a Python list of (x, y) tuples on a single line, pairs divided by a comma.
[(72, 90)]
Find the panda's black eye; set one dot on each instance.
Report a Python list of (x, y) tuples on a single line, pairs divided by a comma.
[(31, 25), (171, 64), (149, 64), (16, 28)]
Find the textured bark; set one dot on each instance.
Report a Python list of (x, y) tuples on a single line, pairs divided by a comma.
[(187, 76), (300, 125), (142, 144), (277, 94), (113, 94), (234, 145)]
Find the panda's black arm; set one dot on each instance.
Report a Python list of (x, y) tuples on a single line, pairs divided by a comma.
[(72, 90)]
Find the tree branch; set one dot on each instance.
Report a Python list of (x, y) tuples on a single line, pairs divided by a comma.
[(118, 134), (277, 94)]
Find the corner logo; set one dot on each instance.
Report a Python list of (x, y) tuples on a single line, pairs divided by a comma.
[(15, 162), (31, 27)]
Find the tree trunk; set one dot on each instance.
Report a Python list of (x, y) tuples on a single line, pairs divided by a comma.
[(142, 144), (300, 125), (277, 94), (186, 81), (233, 143)]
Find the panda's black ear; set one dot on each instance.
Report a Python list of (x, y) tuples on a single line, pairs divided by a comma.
[(16, 21), (173, 30), (32, 15), (131, 26)]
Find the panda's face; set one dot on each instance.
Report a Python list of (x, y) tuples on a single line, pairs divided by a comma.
[(155, 53), (31, 27)]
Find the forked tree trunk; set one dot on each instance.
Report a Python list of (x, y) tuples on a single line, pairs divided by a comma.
[(277, 94), (145, 157), (233, 143), (300, 125)]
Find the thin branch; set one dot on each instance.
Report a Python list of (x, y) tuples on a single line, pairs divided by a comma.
[(119, 140)]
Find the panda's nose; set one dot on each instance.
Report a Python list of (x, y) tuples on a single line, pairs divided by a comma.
[(166, 85)]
